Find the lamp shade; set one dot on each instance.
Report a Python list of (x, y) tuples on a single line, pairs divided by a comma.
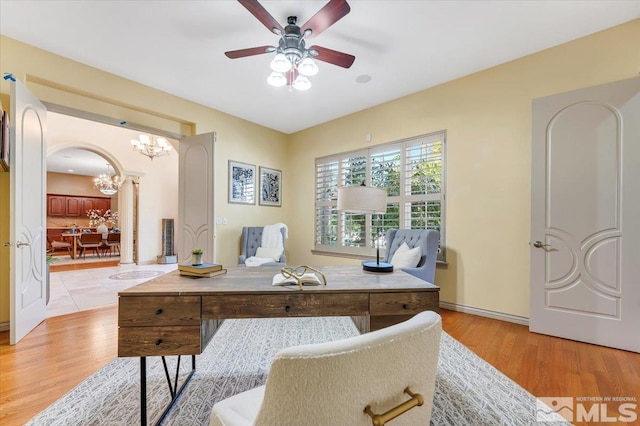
[(362, 199)]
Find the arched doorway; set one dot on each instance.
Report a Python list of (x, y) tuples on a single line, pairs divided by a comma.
[(74, 205)]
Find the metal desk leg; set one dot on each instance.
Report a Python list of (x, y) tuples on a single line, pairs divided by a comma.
[(173, 387), (143, 391)]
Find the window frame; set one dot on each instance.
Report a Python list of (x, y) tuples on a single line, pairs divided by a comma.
[(327, 182)]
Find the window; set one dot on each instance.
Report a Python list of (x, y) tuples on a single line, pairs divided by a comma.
[(411, 170)]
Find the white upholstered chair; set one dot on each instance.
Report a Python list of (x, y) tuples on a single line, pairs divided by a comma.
[(331, 383)]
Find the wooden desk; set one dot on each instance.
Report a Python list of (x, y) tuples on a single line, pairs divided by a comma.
[(177, 315)]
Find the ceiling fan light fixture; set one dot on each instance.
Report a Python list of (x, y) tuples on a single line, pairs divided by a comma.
[(308, 67), (302, 83), (276, 79), (280, 63)]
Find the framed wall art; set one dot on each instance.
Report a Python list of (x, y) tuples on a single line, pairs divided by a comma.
[(270, 187), (242, 183)]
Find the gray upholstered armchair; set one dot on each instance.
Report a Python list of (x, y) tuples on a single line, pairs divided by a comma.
[(427, 239), (252, 239)]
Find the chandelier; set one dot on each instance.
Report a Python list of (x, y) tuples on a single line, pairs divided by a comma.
[(108, 184), (151, 147), (292, 57)]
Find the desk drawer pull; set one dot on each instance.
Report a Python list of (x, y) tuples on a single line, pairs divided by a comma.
[(158, 342), (287, 308), (158, 311), (405, 306)]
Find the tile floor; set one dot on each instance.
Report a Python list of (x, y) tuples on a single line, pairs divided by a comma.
[(74, 291)]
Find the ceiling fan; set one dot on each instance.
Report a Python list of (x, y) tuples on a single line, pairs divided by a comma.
[(293, 62)]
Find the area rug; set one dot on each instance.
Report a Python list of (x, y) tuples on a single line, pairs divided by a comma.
[(469, 391)]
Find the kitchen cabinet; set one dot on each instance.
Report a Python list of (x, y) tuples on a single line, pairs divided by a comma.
[(74, 206), (56, 205), (103, 204)]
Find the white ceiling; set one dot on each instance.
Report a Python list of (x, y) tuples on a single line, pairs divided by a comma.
[(404, 46), (77, 161)]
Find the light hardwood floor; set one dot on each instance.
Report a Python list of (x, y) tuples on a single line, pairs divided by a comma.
[(64, 350)]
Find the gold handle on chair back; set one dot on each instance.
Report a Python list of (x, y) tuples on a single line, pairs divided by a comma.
[(380, 419)]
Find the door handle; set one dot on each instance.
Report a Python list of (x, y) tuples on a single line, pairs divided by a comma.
[(539, 244), (21, 244)]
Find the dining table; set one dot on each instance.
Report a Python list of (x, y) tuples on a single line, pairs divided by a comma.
[(74, 236)]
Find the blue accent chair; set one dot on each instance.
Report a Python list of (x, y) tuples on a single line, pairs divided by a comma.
[(427, 239), (251, 240)]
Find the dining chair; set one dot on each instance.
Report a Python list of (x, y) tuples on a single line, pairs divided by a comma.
[(58, 244), (89, 241), (113, 241)]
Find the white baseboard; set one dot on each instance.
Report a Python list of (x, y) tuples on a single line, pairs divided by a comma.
[(485, 313), (4, 326)]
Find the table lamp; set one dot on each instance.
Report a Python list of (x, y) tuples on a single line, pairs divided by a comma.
[(362, 199)]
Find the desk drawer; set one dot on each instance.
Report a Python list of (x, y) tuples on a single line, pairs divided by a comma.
[(285, 305), (156, 341), (403, 303), (157, 310)]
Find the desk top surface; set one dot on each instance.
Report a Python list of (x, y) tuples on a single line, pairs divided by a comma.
[(243, 280)]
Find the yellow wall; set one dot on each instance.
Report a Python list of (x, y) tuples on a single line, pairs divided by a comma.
[(487, 117)]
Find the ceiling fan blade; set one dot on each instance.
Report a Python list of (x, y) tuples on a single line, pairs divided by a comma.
[(235, 54), (331, 13), (262, 15), (334, 57)]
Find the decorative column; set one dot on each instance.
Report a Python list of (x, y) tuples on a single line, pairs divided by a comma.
[(125, 206)]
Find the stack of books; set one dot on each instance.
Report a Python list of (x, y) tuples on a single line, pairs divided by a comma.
[(206, 270)]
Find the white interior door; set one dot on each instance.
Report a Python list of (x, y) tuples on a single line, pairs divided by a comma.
[(585, 233), (28, 225), (196, 228)]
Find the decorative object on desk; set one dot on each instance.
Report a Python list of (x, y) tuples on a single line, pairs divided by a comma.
[(204, 270), (362, 199), (300, 275), (96, 217), (270, 187), (242, 183), (204, 274), (201, 268), (108, 184), (151, 146), (196, 257)]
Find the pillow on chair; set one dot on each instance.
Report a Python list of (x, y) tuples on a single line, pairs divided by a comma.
[(404, 257), (269, 253)]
